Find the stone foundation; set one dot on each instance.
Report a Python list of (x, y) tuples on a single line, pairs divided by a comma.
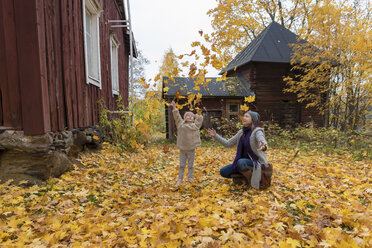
[(37, 158)]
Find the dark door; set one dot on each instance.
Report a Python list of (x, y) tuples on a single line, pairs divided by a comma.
[(288, 113)]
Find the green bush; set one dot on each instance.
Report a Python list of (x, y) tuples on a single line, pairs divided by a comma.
[(229, 128), (356, 142), (120, 130)]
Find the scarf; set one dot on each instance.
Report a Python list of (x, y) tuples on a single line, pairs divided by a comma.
[(244, 146)]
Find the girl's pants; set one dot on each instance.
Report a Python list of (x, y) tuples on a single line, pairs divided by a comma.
[(244, 164), (186, 157)]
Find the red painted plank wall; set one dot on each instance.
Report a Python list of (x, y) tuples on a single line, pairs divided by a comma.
[(9, 84), (74, 103), (42, 65)]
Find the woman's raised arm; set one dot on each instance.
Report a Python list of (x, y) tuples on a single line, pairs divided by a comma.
[(228, 143)]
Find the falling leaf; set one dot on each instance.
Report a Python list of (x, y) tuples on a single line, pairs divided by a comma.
[(178, 95), (249, 99), (244, 108)]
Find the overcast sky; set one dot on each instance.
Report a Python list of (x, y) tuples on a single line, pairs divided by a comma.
[(160, 24)]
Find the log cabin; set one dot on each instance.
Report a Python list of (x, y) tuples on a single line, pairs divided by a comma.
[(264, 63)]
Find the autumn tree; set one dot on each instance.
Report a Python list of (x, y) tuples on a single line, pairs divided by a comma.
[(332, 71), (169, 67), (237, 22), (150, 109)]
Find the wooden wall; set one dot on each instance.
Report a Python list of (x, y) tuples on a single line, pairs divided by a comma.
[(272, 103), (9, 83), (42, 68)]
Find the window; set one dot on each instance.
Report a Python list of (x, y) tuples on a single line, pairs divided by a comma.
[(91, 13), (234, 107), (114, 45)]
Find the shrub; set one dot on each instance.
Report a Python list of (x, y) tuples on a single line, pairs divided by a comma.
[(120, 130), (356, 142), (228, 127)]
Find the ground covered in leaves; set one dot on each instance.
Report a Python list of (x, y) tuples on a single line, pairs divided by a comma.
[(129, 200)]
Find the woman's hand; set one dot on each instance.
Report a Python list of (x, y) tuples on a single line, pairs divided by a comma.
[(212, 132), (263, 146), (172, 104)]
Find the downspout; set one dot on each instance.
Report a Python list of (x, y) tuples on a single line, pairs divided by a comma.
[(130, 59)]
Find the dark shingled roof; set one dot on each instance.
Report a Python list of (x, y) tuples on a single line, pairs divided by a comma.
[(271, 45), (232, 86)]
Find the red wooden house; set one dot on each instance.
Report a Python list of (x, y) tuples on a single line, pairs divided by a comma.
[(57, 59)]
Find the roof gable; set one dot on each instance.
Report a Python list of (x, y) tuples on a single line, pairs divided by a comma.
[(271, 45)]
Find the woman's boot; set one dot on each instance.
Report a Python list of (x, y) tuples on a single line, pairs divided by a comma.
[(248, 175)]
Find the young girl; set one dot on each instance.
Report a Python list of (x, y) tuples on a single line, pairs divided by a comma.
[(250, 150), (188, 139)]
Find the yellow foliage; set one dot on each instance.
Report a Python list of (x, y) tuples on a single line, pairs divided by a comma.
[(244, 108), (178, 95), (249, 99), (128, 200), (169, 67)]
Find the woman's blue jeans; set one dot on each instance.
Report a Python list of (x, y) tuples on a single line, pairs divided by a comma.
[(244, 164)]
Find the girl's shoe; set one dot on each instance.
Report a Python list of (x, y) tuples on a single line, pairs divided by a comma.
[(191, 180), (179, 181)]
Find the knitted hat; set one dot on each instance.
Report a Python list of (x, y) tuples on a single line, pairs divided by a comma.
[(255, 116), (188, 113)]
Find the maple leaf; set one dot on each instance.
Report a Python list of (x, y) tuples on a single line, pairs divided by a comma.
[(195, 43), (325, 244), (249, 99), (299, 228), (192, 70), (205, 50), (206, 82), (178, 95), (199, 111), (244, 108), (279, 226), (157, 77)]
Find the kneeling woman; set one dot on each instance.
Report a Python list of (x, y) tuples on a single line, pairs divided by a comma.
[(250, 150)]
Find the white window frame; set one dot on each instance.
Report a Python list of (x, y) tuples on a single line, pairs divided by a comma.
[(94, 8), (114, 52)]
